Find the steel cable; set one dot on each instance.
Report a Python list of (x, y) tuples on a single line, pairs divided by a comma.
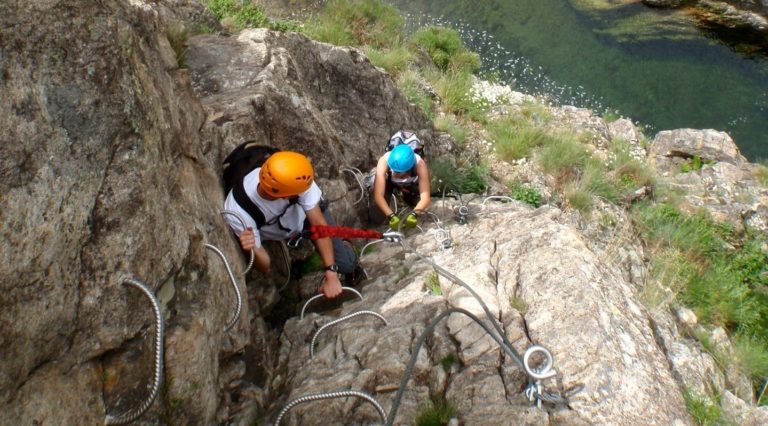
[(420, 342), (157, 377), (317, 296), (338, 320), (231, 323), (242, 222), (329, 395)]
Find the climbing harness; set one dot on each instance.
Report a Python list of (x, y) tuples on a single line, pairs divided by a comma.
[(242, 222), (157, 377), (318, 296), (338, 320), (231, 323), (330, 395)]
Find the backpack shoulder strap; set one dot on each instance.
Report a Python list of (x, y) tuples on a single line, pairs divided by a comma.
[(242, 199)]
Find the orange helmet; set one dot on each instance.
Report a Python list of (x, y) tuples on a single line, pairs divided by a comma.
[(285, 174)]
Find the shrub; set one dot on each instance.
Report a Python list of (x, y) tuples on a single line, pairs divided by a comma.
[(394, 60), (433, 283), (446, 49), (358, 23), (435, 413), (705, 412), (244, 15), (410, 84), (514, 140), (564, 158), (454, 90), (448, 361), (526, 194), (761, 173), (446, 176), (451, 125)]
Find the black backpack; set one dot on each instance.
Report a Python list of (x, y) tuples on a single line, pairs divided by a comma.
[(245, 158), (406, 137)]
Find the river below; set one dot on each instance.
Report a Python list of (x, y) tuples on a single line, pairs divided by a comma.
[(654, 66)]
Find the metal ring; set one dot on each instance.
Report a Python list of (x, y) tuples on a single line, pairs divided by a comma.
[(539, 373), (317, 296), (498, 197)]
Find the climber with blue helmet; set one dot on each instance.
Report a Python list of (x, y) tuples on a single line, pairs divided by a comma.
[(400, 170)]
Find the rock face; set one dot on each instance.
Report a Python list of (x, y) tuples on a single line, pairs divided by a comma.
[(725, 184), (109, 168), (103, 176), (544, 285)]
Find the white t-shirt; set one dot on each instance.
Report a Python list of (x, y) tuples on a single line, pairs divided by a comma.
[(293, 219)]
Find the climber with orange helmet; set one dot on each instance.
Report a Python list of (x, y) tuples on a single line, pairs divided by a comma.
[(285, 199), (403, 171)]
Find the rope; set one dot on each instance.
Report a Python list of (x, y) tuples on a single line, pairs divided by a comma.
[(231, 323), (330, 395), (328, 231), (317, 296), (338, 320), (242, 222), (134, 414)]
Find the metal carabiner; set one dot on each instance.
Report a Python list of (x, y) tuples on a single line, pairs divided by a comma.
[(294, 240)]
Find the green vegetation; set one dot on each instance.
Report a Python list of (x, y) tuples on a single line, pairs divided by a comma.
[(435, 413), (178, 34), (360, 23), (694, 164), (518, 304), (514, 138), (309, 265), (446, 176), (526, 194), (447, 50), (721, 275), (448, 361), (761, 173), (704, 411), (237, 15), (433, 283)]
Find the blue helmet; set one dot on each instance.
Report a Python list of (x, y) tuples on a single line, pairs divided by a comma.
[(401, 159)]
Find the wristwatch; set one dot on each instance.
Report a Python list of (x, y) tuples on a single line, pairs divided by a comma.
[(332, 267)]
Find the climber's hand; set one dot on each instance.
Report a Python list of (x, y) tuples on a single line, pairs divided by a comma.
[(411, 221), (394, 222)]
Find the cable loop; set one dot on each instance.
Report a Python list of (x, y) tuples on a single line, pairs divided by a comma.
[(239, 303), (542, 372), (242, 222), (330, 395), (317, 296), (338, 320), (157, 377), (497, 197)]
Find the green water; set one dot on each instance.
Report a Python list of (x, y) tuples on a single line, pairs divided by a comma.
[(653, 66)]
